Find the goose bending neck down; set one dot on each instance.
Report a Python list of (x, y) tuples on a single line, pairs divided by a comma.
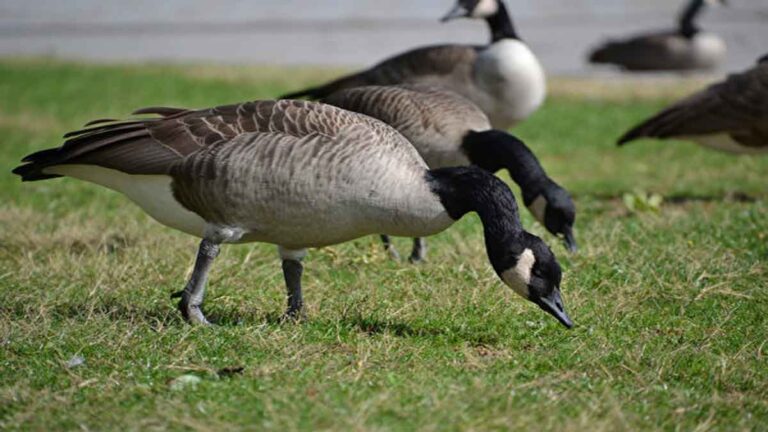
[(449, 130), (550, 204), (297, 175)]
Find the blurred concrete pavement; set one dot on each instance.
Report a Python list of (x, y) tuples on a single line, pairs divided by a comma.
[(340, 32)]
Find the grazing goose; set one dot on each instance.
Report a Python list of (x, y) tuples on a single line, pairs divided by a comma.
[(449, 130), (503, 78), (731, 116), (685, 48), (298, 175)]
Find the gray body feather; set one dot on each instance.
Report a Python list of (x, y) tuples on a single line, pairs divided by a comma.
[(297, 174), (434, 120)]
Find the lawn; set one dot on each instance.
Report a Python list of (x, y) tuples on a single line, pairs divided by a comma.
[(670, 305)]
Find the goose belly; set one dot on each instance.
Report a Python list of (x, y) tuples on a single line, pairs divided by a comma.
[(300, 199), (302, 215), (318, 223), (153, 193), (511, 81)]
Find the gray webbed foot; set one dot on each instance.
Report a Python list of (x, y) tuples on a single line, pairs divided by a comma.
[(293, 316), (191, 312)]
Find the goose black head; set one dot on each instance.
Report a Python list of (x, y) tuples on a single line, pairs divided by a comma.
[(535, 274), (522, 260), (472, 9), (763, 60), (554, 208)]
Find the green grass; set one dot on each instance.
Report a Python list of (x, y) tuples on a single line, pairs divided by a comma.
[(670, 308)]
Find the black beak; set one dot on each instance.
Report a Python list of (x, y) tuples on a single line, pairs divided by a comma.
[(553, 305), (570, 240), (457, 12)]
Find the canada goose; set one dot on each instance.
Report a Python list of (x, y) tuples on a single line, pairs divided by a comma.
[(298, 175), (504, 78), (449, 130), (686, 48), (730, 116)]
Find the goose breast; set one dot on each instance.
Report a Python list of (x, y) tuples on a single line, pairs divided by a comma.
[(511, 81)]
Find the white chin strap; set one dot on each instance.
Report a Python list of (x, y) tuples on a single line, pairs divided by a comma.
[(519, 276), (485, 8)]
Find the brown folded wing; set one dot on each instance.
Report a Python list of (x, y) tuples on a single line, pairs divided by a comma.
[(738, 107), (153, 145)]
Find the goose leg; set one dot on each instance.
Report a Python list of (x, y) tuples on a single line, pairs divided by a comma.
[(192, 295), (292, 271), (389, 248), (419, 251)]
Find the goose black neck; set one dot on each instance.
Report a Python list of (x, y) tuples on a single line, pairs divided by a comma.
[(501, 25), (470, 189), (688, 27), (494, 150)]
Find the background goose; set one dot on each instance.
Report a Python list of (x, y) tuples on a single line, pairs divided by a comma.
[(730, 116), (684, 48), (449, 130), (504, 78), (298, 175)]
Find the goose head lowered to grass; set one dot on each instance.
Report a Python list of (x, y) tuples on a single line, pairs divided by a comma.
[(449, 130)]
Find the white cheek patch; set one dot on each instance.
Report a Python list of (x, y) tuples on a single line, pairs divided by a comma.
[(538, 208), (519, 276), (485, 9)]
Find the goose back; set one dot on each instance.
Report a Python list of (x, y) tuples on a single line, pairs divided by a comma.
[(450, 65), (435, 120)]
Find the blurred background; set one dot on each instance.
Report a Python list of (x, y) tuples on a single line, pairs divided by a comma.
[(342, 32)]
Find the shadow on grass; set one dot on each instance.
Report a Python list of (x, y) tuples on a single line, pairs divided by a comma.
[(158, 316), (374, 326)]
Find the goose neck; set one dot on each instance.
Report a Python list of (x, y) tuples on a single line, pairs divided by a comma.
[(687, 20), (501, 25), (462, 190), (494, 150)]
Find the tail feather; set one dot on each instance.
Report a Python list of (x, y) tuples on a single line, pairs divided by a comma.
[(161, 111), (662, 125), (100, 121), (89, 132), (600, 55), (310, 93), (633, 134), (78, 146), (32, 172)]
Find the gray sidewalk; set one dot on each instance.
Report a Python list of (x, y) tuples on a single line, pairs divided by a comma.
[(344, 32)]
